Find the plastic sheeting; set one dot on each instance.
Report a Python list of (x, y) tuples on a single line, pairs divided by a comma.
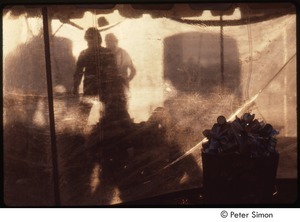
[(189, 70), (27, 144)]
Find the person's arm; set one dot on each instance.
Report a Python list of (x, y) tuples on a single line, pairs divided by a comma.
[(132, 70), (78, 74)]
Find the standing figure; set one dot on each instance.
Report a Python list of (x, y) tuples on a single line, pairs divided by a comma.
[(97, 66), (125, 66)]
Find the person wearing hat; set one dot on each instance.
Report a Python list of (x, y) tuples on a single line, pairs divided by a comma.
[(94, 64)]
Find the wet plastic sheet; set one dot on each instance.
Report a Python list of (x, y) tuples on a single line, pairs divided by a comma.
[(190, 68), (27, 144)]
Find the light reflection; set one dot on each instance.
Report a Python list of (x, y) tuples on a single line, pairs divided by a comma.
[(116, 196), (184, 179), (13, 37), (39, 118), (95, 178)]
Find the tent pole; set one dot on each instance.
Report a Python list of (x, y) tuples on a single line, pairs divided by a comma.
[(51, 107), (222, 52)]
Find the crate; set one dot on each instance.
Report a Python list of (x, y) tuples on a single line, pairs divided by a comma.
[(236, 179)]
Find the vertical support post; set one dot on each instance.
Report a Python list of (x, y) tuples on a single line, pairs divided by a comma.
[(51, 107), (222, 51)]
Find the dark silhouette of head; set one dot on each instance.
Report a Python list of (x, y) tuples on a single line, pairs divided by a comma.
[(93, 37), (111, 41)]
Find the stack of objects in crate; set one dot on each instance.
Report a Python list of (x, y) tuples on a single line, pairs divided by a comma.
[(239, 161), (245, 136)]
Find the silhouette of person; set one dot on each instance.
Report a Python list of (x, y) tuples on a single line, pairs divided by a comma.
[(97, 66), (125, 66)]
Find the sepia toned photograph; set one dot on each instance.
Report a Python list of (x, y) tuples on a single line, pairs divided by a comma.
[(180, 104)]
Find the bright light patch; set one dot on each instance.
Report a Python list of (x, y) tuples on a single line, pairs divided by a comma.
[(95, 178)]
